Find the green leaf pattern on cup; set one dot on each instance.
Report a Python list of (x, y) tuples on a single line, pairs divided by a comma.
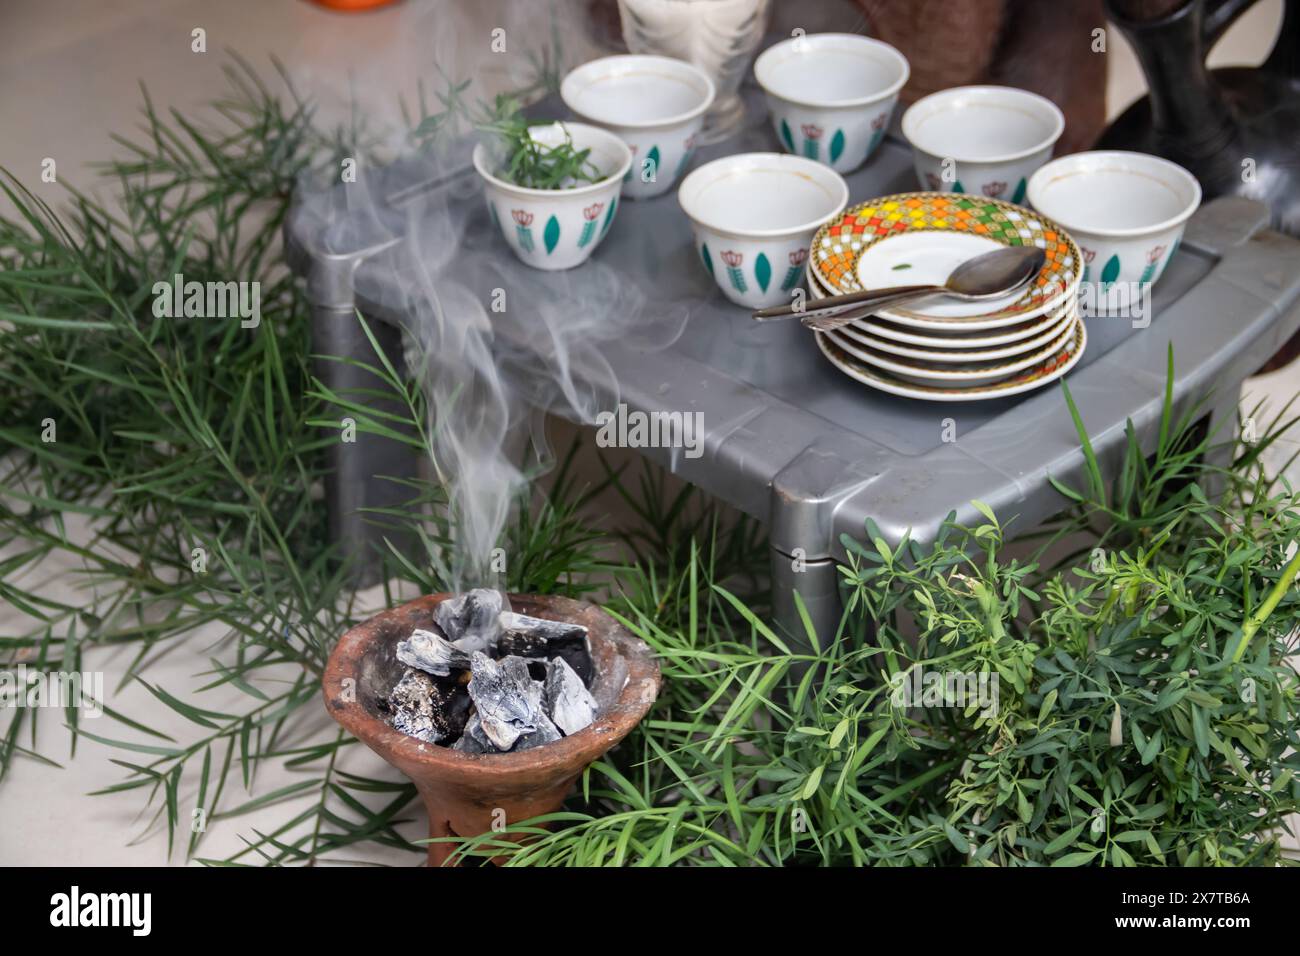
[(1111, 271), (812, 140), (733, 261), (589, 216), (593, 227), (650, 165), (609, 216), (523, 228), (786, 136), (1155, 256), (795, 272), (837, 145)]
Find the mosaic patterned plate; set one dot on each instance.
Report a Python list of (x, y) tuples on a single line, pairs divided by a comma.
[(945, 354), (954, 334), (965, 373), (920, 237), (1028, 380)]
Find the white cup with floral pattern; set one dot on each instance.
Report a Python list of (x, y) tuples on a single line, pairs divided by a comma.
[(557, 228), (981, 140), (830, 95), (1127, 212), (753, 215), (655, 104)]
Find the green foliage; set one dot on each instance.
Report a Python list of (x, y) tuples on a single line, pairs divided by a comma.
[(1146, 713), (532, 164), (1128, 728), (1146, 709), (523, 160), (183, 434)]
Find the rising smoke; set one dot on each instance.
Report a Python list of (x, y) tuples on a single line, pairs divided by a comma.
[(492, 340)]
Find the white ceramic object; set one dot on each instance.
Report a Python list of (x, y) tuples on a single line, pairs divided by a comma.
[(993, 338), (831, 95), (753, 215), (558, 228), (1127, 211), (925, 373), (1026, 381), (954, 337), (950, 353), (931, 257), (921, 237), (718, 36), (653, 103), (981, 140)]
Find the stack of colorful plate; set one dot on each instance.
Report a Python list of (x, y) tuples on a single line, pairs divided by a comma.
[(943, 349)]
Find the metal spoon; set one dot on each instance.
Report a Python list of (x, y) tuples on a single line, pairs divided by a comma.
[(985, 277)]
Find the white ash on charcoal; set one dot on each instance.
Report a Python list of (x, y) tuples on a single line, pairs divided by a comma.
[(431, 653), (427, 709), (568, 702), (472, 620), (473, 740), (539, 629), (484, 679), (509, 703)]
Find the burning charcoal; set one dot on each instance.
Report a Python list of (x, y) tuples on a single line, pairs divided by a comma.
[(522, 645), (538, 629), (451, 705), (471, 620), (412, 705), (537, 670), (568, 702), (545, 733), (508, 700), (577, 655), (431, 710), (432, 653), (473, 740), (457, 707)]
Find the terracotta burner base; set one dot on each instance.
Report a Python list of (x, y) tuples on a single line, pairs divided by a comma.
[(466, 794)]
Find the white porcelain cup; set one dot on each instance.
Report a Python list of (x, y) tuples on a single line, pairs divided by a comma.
[(754, 215), (655, 104), (831, 95), (981, 140), (558, 228), (1127, 212)]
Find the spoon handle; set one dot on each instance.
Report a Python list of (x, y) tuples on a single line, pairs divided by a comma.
[(828, 323), (835, 304)]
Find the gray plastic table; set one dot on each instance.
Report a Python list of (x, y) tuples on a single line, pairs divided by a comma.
[(790, 440)]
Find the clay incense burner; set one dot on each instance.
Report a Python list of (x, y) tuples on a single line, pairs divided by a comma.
[(466, 794)]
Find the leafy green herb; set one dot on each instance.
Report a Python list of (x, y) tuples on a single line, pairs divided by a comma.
[(534, 165), (1138, 623), (524, 160), (1175, 611)]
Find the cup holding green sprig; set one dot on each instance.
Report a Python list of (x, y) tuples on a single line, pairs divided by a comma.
[(552, 188)]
